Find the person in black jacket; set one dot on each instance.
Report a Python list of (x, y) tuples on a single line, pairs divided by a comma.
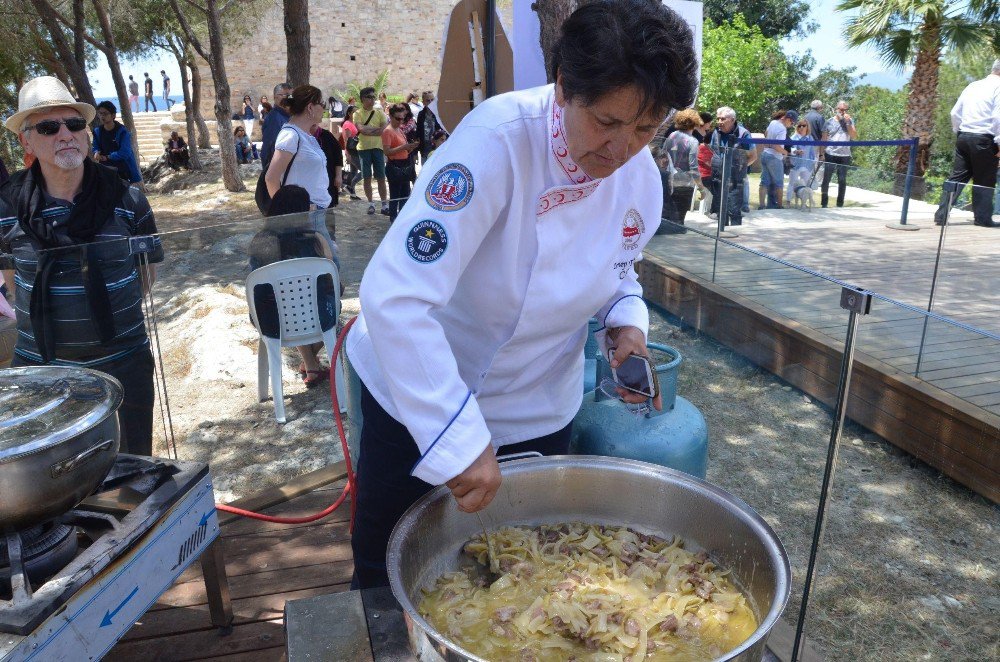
[(427, 126)]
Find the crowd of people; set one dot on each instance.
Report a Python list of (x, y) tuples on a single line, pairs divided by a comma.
[(689, 153)]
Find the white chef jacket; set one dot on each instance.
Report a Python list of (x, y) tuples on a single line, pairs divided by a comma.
[(474, 307)]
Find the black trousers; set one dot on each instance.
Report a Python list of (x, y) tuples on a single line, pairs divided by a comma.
[(135, 372), (399, 186), (975, 159), (838, 164), (386, 488)]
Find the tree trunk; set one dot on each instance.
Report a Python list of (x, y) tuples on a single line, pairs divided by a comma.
[(297, 41), (179, 54), (204, 140), (111, 53), (921, 103), (551, 14), (76, 69), (223, 110)]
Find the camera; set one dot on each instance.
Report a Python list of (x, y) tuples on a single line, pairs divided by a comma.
[(413, 135)]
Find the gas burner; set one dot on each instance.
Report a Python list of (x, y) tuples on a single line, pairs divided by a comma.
[(44, 550), (101, 564)]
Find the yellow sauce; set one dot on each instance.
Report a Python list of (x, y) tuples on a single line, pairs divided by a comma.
[(586, 592)]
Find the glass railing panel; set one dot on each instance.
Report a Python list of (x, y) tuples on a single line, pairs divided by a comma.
[(210, 355), (907, 561)]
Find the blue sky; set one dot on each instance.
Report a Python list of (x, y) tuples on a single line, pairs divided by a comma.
[(830, 48), (827, 44)]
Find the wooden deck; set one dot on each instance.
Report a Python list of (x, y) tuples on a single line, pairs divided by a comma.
[(267, 565), (948, 413)]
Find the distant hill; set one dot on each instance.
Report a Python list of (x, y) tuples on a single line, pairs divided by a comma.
[(886, 80)]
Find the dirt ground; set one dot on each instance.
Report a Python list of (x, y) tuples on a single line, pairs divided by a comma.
[(909, 568)]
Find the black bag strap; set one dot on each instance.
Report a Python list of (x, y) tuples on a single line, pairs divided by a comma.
[(370, 116), (284, 177)]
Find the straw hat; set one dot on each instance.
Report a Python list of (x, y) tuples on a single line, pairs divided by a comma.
[(44, 93)]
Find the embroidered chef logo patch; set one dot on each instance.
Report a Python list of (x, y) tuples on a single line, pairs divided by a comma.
[(427, 241), (451, 188), (632, 229)]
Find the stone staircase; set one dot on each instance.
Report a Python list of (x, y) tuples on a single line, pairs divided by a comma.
[(153, 130), (149, 135)]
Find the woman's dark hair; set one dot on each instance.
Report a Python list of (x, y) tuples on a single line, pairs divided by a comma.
[(300, 98), (641, 43), (349, 113), (238, 129), (108, 106), (778, 114), (398, 108), (246, 97), (705, 117)]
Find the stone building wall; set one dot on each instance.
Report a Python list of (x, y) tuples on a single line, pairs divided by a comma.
[(352, 40)]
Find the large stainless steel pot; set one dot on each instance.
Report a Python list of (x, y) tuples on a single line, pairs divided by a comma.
[(427, 541), (59, 438)]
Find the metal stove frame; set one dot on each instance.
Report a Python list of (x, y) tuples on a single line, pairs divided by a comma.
[(83, 610)]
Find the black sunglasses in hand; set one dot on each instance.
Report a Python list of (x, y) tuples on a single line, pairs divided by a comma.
[(51, 127)]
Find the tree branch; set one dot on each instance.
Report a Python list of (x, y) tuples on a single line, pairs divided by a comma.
[(188, 32), (203, 10), (44, 8)]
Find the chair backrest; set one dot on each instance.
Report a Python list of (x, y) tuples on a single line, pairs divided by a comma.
[(294, 283)]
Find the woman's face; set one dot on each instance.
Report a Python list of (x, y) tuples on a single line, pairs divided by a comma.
[(604, 135), (801, 129), (398, 118)]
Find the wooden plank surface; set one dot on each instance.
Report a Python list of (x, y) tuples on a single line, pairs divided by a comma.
[(268, 564)]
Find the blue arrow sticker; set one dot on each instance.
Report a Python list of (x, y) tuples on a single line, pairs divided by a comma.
[(108, 615), (204, 518)]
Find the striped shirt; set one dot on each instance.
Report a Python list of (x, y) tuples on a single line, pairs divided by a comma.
[(76, 339)]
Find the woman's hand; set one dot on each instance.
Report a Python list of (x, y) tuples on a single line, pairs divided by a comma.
[(475, 487), (628, 341)]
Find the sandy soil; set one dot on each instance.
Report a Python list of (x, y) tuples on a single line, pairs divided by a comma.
[(909, 568)]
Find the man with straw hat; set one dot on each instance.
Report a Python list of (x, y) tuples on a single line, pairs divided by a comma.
[(66, 225)]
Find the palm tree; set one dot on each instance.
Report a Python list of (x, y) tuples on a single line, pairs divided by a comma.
[(915, 32)]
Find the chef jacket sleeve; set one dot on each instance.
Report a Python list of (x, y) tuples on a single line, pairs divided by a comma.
[(625, 308), (415, 271)]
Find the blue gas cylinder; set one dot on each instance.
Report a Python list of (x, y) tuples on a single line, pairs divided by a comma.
[(676, 437)]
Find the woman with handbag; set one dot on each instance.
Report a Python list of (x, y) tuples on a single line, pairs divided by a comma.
[(398, 168), (299, 160)]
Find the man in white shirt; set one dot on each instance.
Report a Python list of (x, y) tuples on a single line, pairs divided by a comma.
[(976, 119), (474, 308)]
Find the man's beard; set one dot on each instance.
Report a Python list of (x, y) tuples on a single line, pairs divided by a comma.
[(69, 160)]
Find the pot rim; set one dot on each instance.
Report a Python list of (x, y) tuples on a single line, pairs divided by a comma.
[(783, 571), (79, 426)]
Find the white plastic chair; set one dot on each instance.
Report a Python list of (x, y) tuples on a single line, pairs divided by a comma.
[(294, 282)]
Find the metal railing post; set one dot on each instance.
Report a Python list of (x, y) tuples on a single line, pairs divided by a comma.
[(859, 303), (727, 170), (908, 184)]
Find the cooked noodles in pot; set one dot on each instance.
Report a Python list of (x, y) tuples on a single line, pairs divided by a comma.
[(588, 592)]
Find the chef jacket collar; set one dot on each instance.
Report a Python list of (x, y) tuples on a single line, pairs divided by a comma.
[(560, 148)]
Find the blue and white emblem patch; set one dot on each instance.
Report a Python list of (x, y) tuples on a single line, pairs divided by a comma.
[(451, 188), (426, 242)]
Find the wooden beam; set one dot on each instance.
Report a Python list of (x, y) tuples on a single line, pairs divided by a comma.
[(293, 488)]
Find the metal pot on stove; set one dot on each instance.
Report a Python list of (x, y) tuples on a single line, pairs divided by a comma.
[(59, 438)]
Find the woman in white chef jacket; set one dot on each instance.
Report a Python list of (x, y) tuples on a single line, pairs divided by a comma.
[(474, 308)]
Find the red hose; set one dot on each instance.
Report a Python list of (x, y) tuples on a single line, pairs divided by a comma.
[(350, 488)]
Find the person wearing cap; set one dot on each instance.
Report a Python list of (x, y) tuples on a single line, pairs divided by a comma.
[(772, 168), (78, 307), (113, 144)]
